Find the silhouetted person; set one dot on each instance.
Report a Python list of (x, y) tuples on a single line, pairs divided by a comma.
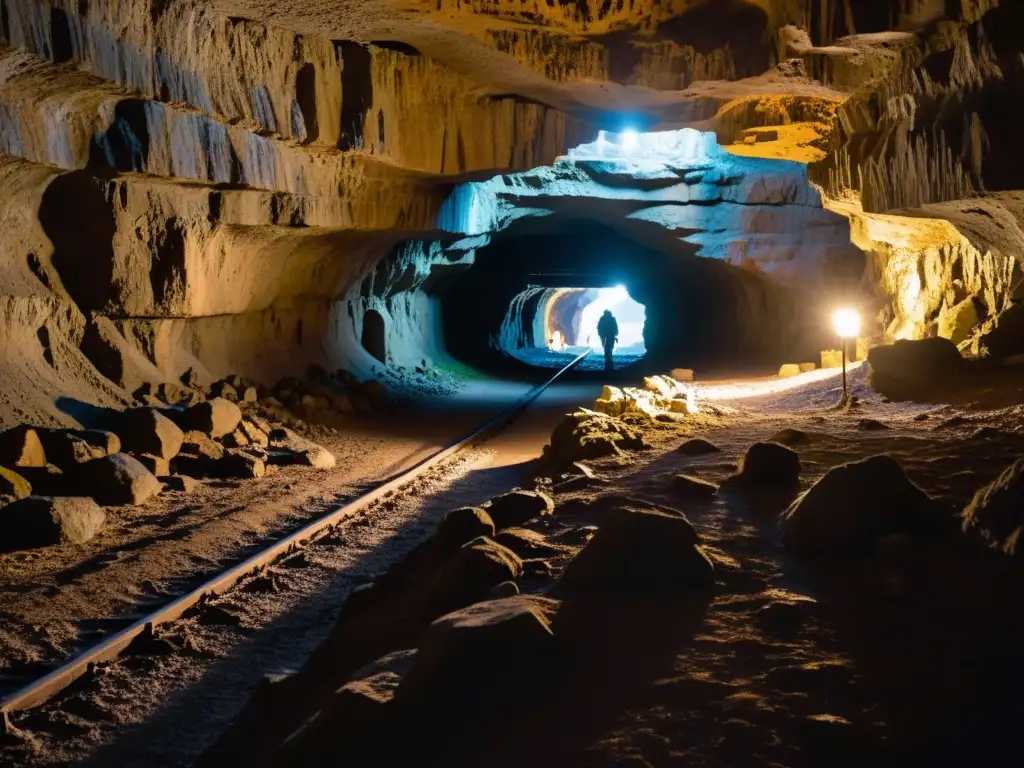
[(608, 330)]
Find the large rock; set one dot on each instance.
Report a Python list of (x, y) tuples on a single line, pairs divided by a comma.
[(698, 446), (66, 448), (587, 434), (145, 430), (116, 480), (291, 448), (914, 369), (996, 513), (853, 506), (639, 551), (767, 466), (215, 417), (472, 647), (13, 485), (517, 507), (38, 521), (463, 525), (20, 447)]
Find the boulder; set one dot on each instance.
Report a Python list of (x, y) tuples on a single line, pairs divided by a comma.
[(106, 441), (528, 544), (517, 507), (290, 448), (690, 488), (215, 418), (179, 483), (199, 445), (682, 374), (468, 575), (639, 551), (38, 521), (462, 525), (831, 358), (698, 446), (351, 713), (789, 370), (808, 367), (996, 513), (237, 439), (14, 485), (913, 369), (239, 464), (144, 430), (255, 434), (65, 449), (587, 434), (853, 506), (789, 436), (158, 465), (474, 647), (21, 447), (767, 465), (115, 480), (249, 395)]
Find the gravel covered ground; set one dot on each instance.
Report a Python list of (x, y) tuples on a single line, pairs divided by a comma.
[(783, 656)]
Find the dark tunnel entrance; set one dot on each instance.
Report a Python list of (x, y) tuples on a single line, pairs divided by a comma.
[(700, 313), (374, 335)]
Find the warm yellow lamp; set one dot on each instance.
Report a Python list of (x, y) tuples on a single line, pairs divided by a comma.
[(846, 323)]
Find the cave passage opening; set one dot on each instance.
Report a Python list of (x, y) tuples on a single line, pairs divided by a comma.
[(549, 327)]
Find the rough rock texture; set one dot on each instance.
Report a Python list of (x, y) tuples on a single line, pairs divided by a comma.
[(518, 507), (909, 369), (148, 431), (767, 465), (115, 480), (39, 522), (996, 514), (639, 550), (853, 506)]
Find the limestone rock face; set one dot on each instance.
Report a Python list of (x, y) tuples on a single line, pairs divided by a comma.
[(853, 506), (39, 522)]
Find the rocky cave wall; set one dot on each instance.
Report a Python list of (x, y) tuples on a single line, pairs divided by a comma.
[(188, 186), (188, 189)]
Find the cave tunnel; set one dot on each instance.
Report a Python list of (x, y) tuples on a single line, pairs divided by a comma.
[(677, 309), (550, 327)]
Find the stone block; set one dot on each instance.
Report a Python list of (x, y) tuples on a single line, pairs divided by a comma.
[(789, 370), (808, 367), (831, 358), (682, 374)]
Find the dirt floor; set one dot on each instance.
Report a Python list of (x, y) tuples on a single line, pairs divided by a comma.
[(861, 663)]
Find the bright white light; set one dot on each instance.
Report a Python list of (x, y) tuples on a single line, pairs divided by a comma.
[(628, 139), (846, 323), (629, 314)]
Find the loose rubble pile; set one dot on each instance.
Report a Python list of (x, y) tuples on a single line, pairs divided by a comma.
[(661, 395), (54, 483)]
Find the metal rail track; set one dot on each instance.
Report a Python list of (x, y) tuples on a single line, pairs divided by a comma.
[(40, 690)]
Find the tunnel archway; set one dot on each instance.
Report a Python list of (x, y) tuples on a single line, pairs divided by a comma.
[(699, 312), (374, 337)]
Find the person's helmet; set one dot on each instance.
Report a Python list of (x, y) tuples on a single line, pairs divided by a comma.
[(607, 311)]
